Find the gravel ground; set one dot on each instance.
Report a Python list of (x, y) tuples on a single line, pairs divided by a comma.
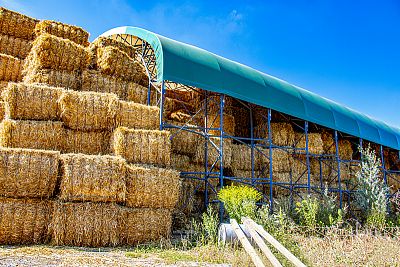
[(66, 256)]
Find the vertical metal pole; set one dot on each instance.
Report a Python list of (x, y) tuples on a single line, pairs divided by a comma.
[(162, 105), (307, 158), (149, 92), (338, 165), (221, 149), (271, 184)]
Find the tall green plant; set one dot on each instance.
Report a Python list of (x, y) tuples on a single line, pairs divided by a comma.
[(372, 191), (240, 201)]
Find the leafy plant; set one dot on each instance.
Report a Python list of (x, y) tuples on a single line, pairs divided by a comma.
[(307, 210), (372, 192), (210, 224), (240, 201)]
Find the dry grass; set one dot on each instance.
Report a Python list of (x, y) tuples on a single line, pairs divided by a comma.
[(2, 110), (14, 46), (31, 102), (138, 116), (16, 24), (88, 110), (151, 187), (92, 178), (28, 173), (142, 146), (52, 52), (70, 32), (10, 68), (46, 135), (24, 221), (51, 77)]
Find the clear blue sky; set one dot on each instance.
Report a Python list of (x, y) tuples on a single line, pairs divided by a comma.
[(348, 51)]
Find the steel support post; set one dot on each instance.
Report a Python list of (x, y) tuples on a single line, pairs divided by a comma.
[(221, 151), (271, 183), (162, 105), (307, 158), (338, 172)]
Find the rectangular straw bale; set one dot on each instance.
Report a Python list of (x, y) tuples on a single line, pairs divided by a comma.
[(315, 144), (48, 135), (28, 172), (24, 221), (49, 51), (121, 45), (142, 146), (56, 78), (14, 46), (3, 86), (151, 187), (139, 94), (213, 103), (94, 80), (86, 224), (92, 178), (345, 146), (138, 116), (144, 225), (16, 24), (10, 68), (188, 96), (180, 162), (70, 32), (172, 105), (182, 141), (185, 203), (241, 157), (31, 102), (112, 61), (282, 133), (212, 153), (88, 110), (92, 142), (242, 121), (228, 124), (281, 159), (180, 116)]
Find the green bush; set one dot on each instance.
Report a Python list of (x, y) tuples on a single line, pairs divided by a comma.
[(372, 192), (307, 211), (210, 224), (240, 201)]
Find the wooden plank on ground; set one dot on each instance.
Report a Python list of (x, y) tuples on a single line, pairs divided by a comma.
[(260, 242), (246, 244), (292, 258)]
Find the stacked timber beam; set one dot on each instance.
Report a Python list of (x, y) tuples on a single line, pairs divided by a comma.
[(82, 160)]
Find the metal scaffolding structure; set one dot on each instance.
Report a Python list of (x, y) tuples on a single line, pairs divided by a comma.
[(212, 133)]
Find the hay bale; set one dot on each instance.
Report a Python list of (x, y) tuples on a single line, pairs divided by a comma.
[(241, 116), (31, 102), (228, 124), (88, 110), (144, 225), (188, 96), (2, 110), (93, 80), (151, 187), (28, 172), (108, 41), (86, 224), (70, 32), (16, 24), (24, 221), (142, 146), (173, 105), (329, 147), (281, 160), (183, 142), (282, 133), (180, 162), (112, 61), (92, 143), (47, 135), (213, 154), (92, 178), (315, 144), (52, 52), (241, 157), (56, 78), (14, 46), (3, 86), (10, 68), (138, 116)]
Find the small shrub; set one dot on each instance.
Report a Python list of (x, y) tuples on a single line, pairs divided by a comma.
[(376, 219), (240, 201), (307, 211), (210, 224)]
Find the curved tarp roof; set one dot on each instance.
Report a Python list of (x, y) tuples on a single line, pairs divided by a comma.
[(190, 65)]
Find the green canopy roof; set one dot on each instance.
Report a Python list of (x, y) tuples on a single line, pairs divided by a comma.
[(190, 65)]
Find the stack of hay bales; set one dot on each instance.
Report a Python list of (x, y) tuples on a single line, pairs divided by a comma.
[(16, 35), (282, 133), (329, 147), (89, 164)]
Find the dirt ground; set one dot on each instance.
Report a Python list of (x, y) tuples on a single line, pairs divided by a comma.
[(65, 256)]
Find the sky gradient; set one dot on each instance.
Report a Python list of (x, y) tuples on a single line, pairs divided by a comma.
[(348, 51)]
